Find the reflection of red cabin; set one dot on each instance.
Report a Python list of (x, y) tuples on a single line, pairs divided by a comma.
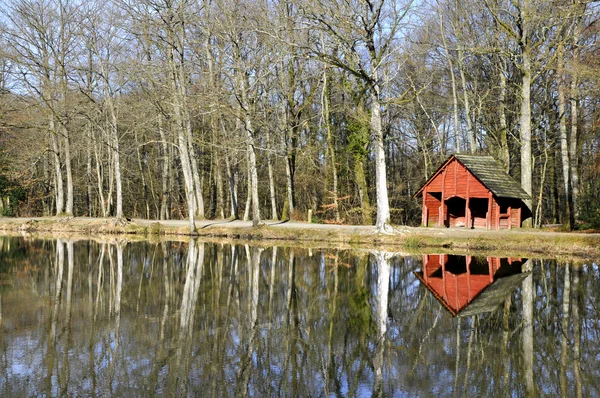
[(474, 192), (456, 281)]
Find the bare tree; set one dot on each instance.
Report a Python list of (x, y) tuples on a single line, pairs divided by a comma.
[(364, 34)]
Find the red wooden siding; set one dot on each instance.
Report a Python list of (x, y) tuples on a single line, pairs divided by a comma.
[(455, 281)]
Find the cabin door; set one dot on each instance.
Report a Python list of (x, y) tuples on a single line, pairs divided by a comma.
[(456, 213), (479, 210)]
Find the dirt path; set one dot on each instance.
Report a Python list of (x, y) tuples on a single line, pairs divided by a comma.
[(522, 241)]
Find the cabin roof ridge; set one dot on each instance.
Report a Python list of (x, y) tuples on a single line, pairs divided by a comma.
[(488, 171)]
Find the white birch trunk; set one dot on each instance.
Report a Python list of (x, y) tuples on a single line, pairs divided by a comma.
[(68, 169), (99, 180), (525, 122), (562, 117), (193, 163), (114, 139), (253, 171), (248, 189), (573, 152), (232, 188), (382, 222), (271, 179), (165, 169), (470, 130), (504, 150), (60, 196), (453, 82), (88, 171)]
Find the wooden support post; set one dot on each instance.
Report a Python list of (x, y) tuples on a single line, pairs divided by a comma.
[(498, 216), (467, 203), (488, 217), (442, 219), (519, 217), (424, 215), (509, 211)]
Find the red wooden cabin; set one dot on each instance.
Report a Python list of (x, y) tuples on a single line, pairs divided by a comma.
[(474, 192), (459, 281)]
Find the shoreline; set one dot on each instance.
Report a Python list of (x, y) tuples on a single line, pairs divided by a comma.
[(524, 242)]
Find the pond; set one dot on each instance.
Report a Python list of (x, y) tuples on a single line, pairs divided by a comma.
[(86, 318)]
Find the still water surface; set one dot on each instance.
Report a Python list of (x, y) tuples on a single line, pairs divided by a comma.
[(203, 319)]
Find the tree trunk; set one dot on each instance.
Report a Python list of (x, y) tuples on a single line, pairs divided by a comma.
[(193, 162), (99, 178), (470, 130), (219, 182), (383, 208), (361, 184), (248, 189), (504, 150), (114, 139), (330, 146), (453, 81), (177, 82), (253, 171), (271, 178), (68, 169), (88, 171), (564, 144), (525, 121), (186, 168), (288, 150), (573, 144), (60, 196), (165, 169), (231, 178), (142, 171)]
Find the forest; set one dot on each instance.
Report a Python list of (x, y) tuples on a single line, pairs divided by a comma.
[(256, 109)]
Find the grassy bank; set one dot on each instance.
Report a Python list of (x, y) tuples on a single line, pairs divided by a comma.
[(526, 243)]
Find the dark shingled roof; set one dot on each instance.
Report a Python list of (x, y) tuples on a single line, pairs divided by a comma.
[(492, 175), (494, 295)]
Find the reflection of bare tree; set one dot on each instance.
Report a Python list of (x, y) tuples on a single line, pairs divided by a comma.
[(527, 332), (565, 330), (328, 369), (51, 345), (506, 332), (243, 378), (292, 334), (94, 313), (271, 304), (334, 324), (472, 336), (116, 292), (161, 352), (576, 334), (191, 288), (66, 369), (381, 312)]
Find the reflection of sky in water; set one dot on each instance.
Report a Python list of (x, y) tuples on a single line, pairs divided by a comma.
[(315, 331)]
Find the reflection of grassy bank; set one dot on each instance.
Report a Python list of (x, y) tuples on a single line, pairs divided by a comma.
[(527, 243)]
